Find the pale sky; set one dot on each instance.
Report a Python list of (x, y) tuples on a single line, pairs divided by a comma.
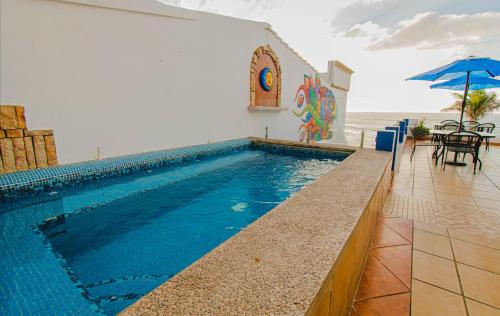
[(383, 41)]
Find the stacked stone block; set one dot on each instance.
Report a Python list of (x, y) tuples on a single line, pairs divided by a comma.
[(21, 149)]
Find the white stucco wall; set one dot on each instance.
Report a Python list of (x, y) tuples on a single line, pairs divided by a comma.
[(129, 81)]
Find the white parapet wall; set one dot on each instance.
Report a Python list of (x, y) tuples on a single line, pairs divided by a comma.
[(129, 76)]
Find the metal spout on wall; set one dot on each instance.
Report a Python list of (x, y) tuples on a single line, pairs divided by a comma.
[(362, 138)]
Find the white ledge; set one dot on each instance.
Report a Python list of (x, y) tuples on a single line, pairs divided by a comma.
[(266, 108)]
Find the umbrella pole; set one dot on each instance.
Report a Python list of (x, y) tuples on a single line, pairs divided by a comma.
[(464, 102)]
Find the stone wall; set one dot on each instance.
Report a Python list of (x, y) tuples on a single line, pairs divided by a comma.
[(21, 149)]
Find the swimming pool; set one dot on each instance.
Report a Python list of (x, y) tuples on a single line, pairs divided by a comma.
[(118, 238)]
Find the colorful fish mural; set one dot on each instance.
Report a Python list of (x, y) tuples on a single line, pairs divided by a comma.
[(317, 110)]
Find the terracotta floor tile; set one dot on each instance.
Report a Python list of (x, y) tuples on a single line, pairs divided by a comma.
[(423, 170), (424, 189), (428, 300), (404, 169), (478, 194), (393, 305), (491, 204), (478, 178), (424, 197), (444, 190), (440, 191), (478, 309), (402, 226), (436, 271), (402, 187), (424, 194), (474, 238), (431, 228), (475, 179), (378, 281), (480, 285), (398, 260), (481, 187), (403, 174), (455, 198), (402, 180), (384, 236), (422, 175), (439, 175), (423, 182), (476, 255), (402, 192), (448, 181), (423, 185), (432, 243), (489, 210), (354, 312)]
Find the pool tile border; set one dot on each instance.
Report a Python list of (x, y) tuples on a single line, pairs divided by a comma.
[(45, 179), (17, 183)]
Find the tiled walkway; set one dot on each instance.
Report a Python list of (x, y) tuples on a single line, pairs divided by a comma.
[(386, 282), (453, 198), (429, 270), (436, 249)]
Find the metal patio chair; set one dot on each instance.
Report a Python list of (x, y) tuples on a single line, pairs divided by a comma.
[(448, 121), (486, 128), (470, 125), (450, 126), (445, 122), (417, 134), (464, 142)]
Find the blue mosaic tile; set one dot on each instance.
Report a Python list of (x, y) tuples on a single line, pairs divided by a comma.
[(46, 179), (13, 184), (302, 151)]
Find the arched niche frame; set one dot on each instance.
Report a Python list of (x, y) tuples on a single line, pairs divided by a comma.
[(264, 63)]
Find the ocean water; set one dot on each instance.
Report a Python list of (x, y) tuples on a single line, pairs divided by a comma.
[(373, 121)]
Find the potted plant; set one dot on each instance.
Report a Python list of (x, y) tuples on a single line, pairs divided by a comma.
[(420, 131)]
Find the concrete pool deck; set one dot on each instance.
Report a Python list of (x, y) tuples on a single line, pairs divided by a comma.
[(291, 260)]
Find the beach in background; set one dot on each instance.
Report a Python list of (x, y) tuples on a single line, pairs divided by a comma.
[(373, 121)]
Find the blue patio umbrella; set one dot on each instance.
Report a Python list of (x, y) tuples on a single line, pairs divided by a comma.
[(462, 70), (475, 83)]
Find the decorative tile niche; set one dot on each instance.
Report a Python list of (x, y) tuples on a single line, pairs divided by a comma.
[(265, 80), (21, 149)]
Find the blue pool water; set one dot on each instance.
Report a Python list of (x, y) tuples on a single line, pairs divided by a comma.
[(118, 240)]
